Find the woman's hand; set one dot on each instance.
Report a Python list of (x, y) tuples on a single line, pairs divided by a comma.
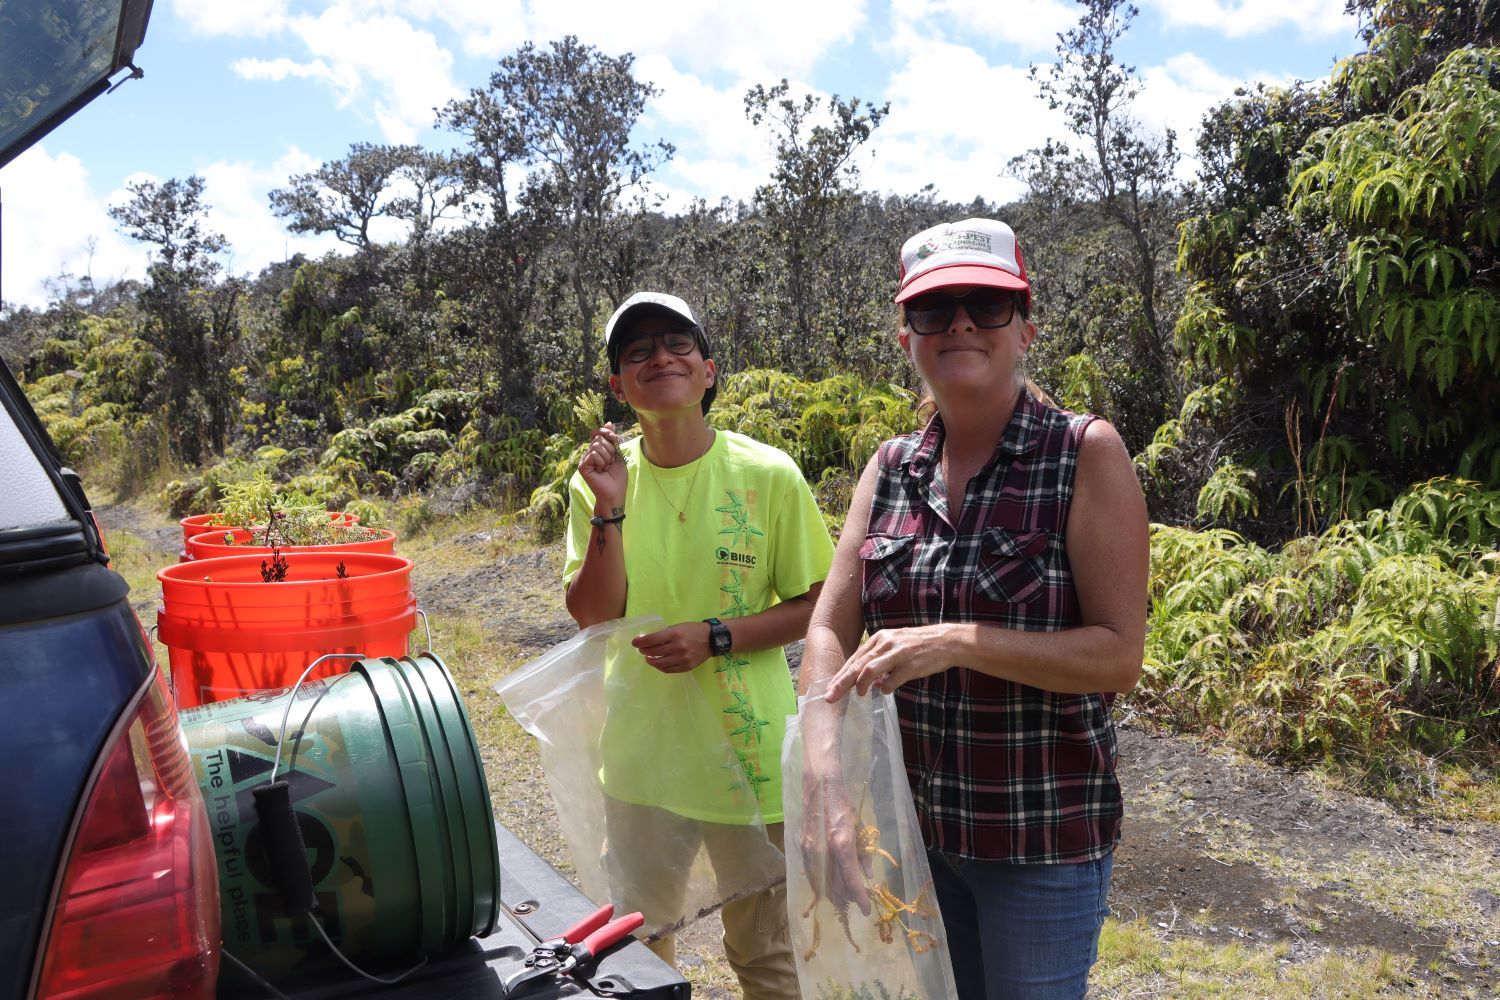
[(677, 649), (829, 840), (893, 656), (603, 469)]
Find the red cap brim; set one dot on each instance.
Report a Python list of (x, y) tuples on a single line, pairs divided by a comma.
[(963, 274)]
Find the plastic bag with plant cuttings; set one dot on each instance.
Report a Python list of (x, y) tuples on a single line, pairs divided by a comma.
[(864, 920)]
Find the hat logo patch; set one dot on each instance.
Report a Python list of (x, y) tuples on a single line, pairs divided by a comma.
[(970, 240)]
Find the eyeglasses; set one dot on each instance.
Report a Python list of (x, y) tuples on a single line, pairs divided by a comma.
[(989, 308), (640, 348)]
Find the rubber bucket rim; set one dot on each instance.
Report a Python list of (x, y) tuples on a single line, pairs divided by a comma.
[(458, 856), (201, 520), (419, 791), (225, 614), (194, 524), (293, 604), (173, 575), (481, 815), (283, 637)]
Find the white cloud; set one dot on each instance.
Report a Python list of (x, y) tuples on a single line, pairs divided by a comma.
[(407, 68), (1032, 25), (484, 27), (277, 70), (718, 151), (1240, 18), (1177, 93), (764, 41), (397, 69), (51, 215), (226, 17), (955, 122), (717, 178), (236, 193)]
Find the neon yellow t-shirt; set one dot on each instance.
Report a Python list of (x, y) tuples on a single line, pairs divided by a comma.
[(751, 537)]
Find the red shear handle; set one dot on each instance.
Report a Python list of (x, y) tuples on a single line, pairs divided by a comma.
[(609, 934), (589, 924)]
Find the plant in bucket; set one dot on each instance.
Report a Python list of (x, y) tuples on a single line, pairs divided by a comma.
[(241, 624), (247, 509)]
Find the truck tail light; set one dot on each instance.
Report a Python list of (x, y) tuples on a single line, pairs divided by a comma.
[(138, 911)]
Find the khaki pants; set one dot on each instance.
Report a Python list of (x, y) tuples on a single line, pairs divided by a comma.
[(648, 855)]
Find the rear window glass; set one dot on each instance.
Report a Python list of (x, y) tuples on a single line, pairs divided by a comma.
[(50, 52)]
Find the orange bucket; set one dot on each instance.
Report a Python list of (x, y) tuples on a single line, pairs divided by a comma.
[(196, 524), (228, 633), (210, 544)]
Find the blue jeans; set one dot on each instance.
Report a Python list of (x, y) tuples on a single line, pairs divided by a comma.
[(1021, 931)]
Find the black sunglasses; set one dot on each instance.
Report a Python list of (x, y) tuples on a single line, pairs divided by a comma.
[(640, 347), (989, 308)]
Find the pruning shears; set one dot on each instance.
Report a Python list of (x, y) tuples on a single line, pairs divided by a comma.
[(576, 948)]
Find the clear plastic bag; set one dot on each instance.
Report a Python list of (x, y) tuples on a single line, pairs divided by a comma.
[(898, 951), (655, 809)]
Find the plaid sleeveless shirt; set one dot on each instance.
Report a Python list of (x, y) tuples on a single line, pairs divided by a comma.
[(999, 771)]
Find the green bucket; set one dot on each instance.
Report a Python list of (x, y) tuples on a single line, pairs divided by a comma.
[(393, 806)]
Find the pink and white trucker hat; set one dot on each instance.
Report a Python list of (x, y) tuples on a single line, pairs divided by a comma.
[(972, 252)]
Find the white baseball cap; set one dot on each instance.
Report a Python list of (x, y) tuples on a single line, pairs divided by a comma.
[(971, 252)]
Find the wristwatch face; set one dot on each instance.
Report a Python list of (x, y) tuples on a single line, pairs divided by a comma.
[(718, 639)]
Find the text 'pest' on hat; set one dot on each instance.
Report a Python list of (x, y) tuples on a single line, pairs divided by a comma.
[(972, 252)]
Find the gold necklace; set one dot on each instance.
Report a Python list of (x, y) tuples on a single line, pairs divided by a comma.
[(687, 500)]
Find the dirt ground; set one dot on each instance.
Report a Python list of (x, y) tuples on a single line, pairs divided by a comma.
[(1216, 847)]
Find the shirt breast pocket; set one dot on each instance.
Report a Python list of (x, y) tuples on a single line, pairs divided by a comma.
[(1012, 565), (884, 560)]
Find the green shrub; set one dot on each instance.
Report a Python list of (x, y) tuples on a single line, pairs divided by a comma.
[(1373, 645)]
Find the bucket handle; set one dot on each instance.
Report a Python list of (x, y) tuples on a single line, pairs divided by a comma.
[(422, 614), (171, 677), (291, 696)]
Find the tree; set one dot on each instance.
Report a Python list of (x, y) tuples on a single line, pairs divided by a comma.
[(170, 217), (436, 189), (192, 320), (1344, 264), (808, 203), (569, 111), (1122, 171), (344, 196), (495, 145), (490, 269)]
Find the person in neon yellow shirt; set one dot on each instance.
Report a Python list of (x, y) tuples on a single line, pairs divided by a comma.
[(720, 536)]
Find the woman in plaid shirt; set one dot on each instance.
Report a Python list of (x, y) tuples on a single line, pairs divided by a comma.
[(997, 560)]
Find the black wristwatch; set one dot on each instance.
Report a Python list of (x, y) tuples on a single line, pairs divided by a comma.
[(718, 637)]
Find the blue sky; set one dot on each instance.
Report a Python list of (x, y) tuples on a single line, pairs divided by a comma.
[(247, 94)]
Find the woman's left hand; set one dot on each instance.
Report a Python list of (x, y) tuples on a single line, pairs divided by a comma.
[(893, 656)]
